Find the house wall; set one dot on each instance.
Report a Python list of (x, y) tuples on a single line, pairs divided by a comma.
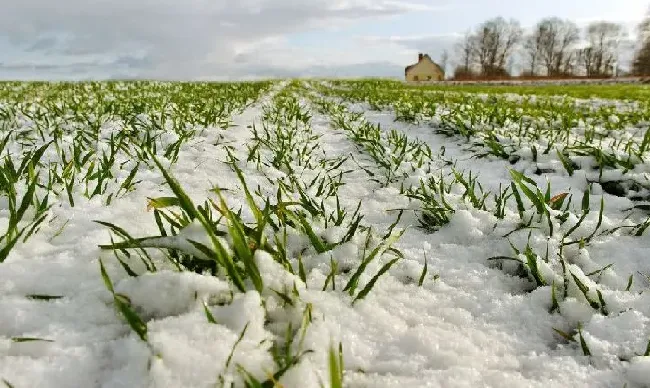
[(424, 71)]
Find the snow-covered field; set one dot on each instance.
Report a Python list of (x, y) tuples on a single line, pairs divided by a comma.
[(308, 234)]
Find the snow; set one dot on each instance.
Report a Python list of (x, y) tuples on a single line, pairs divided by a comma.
[(638, 372), (469, 324)]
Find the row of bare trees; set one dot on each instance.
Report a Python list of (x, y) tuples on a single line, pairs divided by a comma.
[(554, 47)]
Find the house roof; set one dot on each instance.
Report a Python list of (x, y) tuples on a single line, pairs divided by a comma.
[(409, 67)]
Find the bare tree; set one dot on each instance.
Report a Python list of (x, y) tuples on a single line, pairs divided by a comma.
[(601, 55), (465, 51), (494, 42), (481, 46), (533, 51), (556, 39), (569, 63), (586, 60), (444, 59), (643, 29), (641, 64)]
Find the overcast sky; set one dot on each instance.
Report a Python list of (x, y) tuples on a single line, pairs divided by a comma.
[(238, 39)]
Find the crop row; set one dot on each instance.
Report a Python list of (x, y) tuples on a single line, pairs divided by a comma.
[(556, 234)]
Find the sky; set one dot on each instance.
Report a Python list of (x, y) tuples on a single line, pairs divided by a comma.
[(249, 39)]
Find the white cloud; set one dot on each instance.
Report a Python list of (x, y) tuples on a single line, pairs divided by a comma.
[(186, 39), (434, 45)]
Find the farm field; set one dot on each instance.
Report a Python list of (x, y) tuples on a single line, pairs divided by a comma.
[(323, 233), (622, 91)]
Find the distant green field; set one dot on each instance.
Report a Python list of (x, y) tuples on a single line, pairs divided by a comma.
[(611, 91)]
